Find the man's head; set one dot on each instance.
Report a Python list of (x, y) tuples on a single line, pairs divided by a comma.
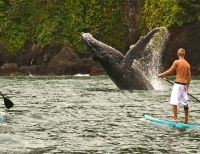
[(181, 52)]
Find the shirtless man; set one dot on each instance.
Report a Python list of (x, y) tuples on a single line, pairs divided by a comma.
[(179, 94)]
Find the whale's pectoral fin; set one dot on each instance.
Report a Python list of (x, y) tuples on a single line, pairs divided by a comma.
[(136, 50)]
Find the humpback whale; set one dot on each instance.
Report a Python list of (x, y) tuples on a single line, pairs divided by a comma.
[(122, 69)]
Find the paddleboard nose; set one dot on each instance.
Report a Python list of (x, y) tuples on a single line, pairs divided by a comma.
[(1, 119)]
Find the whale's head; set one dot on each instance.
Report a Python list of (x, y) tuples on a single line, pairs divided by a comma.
[(100, 49), (92, 43)]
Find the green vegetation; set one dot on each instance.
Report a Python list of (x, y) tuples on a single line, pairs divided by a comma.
[(169, 13), (46, 22)]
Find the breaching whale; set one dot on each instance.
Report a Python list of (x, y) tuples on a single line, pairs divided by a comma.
[(122, 69)]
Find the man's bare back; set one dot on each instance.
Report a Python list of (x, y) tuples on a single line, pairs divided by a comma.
[(182, 68)]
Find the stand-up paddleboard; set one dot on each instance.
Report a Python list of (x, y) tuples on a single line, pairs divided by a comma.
[(170, 123)]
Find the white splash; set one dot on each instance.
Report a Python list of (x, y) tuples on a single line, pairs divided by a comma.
[(152, 57), (82, 75), (157, 46)]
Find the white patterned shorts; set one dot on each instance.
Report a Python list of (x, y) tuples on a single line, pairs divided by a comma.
[(179, 95)]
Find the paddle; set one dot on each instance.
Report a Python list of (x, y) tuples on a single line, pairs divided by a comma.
[(8, 103), (188, 93)]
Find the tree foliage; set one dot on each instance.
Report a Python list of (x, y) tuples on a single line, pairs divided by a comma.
[(173, 13), (45, 22)]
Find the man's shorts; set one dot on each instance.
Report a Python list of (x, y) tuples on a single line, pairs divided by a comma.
[(179, 95)]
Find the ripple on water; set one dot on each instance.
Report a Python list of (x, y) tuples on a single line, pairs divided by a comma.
[(90, 115)]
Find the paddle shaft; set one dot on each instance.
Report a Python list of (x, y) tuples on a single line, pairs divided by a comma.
[(188, 93)]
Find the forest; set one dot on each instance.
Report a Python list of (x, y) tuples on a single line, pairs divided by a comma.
[(45, 22)]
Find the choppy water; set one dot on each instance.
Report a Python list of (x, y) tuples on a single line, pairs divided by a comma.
[(90, 115)]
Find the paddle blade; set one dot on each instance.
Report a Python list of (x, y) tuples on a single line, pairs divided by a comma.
[(8, 103)]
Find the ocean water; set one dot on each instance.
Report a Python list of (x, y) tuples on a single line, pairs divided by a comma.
[(83, 114)]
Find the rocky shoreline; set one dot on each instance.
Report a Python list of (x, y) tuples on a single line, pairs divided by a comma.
[(65, 61), (61, 60), (11, 69)]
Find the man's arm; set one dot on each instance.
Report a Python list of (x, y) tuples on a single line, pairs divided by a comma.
[(170, 70), (188, 78)]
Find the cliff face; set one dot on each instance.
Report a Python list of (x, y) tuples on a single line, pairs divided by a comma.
[(188, 38), (133, 10)]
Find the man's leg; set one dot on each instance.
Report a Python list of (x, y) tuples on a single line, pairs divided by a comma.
[(174, 108), (186, 109)]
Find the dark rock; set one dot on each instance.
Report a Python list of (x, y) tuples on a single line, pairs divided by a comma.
[(67, 61), (188, 38), (133, 10), (9, 67), (29, 69), (97, 70)]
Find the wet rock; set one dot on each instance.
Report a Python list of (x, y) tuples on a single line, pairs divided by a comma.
[(9, 67), (29, 69), (97, 70), (68, 62)]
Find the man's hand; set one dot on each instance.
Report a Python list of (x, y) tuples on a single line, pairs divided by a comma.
[(160, 75)]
